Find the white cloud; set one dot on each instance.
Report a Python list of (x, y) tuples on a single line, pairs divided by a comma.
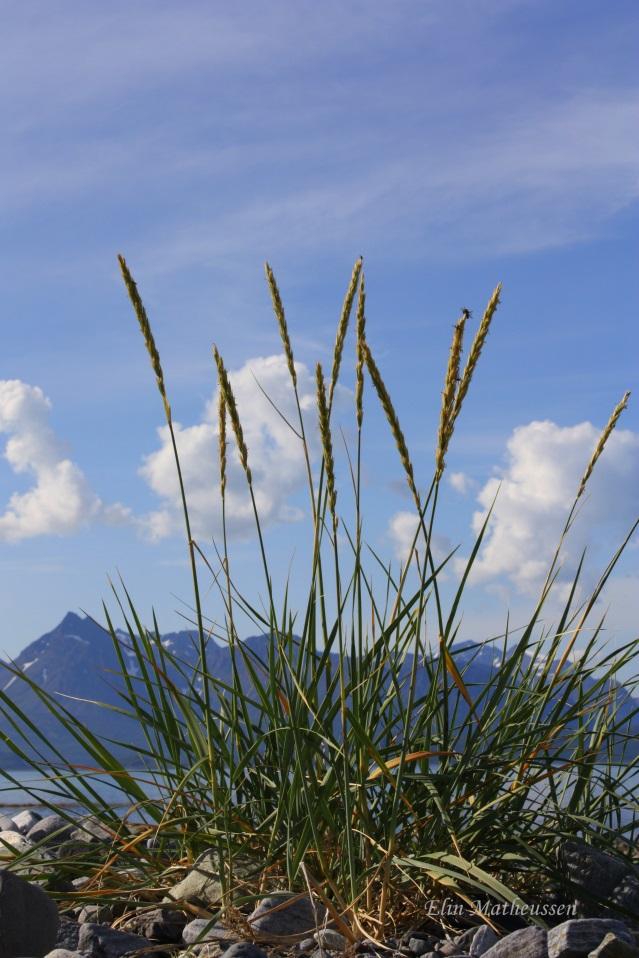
[(401, 531), (534, 491), (60, 501), (460, 482), (275, 453)]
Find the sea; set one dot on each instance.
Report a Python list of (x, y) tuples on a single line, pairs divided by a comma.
[(25, 788)]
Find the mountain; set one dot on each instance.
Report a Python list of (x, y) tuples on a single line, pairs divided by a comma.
[(77, 661)]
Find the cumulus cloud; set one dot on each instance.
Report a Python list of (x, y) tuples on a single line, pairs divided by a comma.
[(401, 531), (535, 489), (276, 457), (60, 501), (460, 482)]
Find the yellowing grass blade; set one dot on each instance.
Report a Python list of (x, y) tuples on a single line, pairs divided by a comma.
[(456, 677), (411, 757)]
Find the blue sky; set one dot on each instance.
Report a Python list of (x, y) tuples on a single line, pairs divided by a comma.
[(453, 144)]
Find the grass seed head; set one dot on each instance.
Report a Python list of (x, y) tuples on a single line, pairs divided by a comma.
[(603, 439), (327, 443), (147, 333), (278, 309), (221, 410), (475, 351), (231, 406), (361, 339), (393, 420), (342, 327), (446, 422)]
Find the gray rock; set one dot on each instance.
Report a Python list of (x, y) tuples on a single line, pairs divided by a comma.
[(421, 946), (307, 944), (448, 948), (466, 938), (100, 941), (160, 924), (245, 949), (597, 874), (24, 821), (78, 883), (613, 947), (63, 953), (28, 918), (331, 940), (202, 885), (14, 840), (68, 934), (204, 929), (7, 824), (52, 827), (285, 916), (207, 949), (524, 943), (579, 936), (483, 939), (625, 897), (89, 831), (100, 913)]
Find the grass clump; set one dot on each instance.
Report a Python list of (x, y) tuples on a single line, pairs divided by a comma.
[(351, 753)]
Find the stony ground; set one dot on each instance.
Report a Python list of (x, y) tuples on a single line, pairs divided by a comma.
[(284, 924)]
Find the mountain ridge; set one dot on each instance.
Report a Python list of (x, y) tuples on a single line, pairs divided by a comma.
[(77, 661)]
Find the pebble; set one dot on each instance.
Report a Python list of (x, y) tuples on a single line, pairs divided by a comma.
[(101, 941), (330, 939), (286, 916)]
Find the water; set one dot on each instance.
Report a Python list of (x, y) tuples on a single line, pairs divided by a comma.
[(33, 790)]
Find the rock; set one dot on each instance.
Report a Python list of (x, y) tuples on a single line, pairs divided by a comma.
[(68, 934), (161, 924), (579, 936), (89, 831), (483, 939), (100, 941), (24, 821), (525, 943), (78, 883), (307, 944), (52, 827), (28, 918), (207, 949), (7, 824), (202, 885), (285, 916), (466, 938), (613, 947), (448, 948), (594, 872), (625, 897), (421, 946), (15, 840), (204, 929), (97, 913), (63, 953), (245, 949), (331, 940)]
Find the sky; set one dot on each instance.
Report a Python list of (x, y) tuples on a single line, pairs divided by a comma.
[(453, 144)]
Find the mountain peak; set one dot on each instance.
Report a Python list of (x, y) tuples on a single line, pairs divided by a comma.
[(70, 621)]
